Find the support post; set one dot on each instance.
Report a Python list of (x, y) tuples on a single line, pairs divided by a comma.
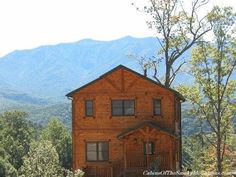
[(125, 158)]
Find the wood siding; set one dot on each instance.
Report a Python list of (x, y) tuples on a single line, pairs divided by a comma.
[(102, 126)]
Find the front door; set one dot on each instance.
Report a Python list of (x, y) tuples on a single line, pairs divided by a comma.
[(134, 154), (151, 159)]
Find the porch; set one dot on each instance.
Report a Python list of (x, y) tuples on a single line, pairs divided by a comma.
[(133, 164), (145, 147)]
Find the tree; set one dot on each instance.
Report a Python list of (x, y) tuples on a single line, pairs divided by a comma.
[(16, 136), (61, 140), (76, 173), (194, 152), (42, 160), (6, 169), (178, 29), (213, 94)]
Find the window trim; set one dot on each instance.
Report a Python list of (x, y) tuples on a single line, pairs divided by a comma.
[(154, 113), (97, 152), (123, 107), (85, 105)]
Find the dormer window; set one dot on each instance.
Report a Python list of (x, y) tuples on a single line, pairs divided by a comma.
[(123, 107), (89, 108)]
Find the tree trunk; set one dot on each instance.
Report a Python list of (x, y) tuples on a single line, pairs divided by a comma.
[(167, 78), (219, 159)]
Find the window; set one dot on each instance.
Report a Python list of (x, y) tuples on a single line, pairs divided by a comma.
[(122, 107), (117, 107), (149, 148), (157, 107), (97, 151), (89, 108)]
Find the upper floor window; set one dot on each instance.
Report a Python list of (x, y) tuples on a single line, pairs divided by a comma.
[(89, 108), (123, 107), (157, 107), (97, 151)]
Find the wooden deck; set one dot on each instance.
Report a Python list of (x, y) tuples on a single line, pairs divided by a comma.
[(134, 164)]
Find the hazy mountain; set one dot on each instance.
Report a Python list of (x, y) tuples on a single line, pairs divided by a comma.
[(35, 80), (52, 71), (49, 72)]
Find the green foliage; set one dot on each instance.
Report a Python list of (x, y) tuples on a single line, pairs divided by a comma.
[(42, 160), (6, 169), (199, 155), (214, 90), (196, 153), (60, 138), (178, 29), (16, 136), (77, 173), (41, 115)]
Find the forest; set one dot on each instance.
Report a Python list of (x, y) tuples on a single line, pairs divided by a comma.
[(26, 147)]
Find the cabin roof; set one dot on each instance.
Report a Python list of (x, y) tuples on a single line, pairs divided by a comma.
[(144, 124), (70, 94)]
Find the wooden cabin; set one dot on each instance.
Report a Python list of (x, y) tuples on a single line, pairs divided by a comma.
[(124, 123)]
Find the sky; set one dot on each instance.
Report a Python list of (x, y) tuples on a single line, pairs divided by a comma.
[(26, 24)]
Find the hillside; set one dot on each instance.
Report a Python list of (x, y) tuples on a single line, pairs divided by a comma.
[(52, 71), (36, 80), (41, 114)]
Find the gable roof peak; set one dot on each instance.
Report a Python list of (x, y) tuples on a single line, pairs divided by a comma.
[(132, 71)]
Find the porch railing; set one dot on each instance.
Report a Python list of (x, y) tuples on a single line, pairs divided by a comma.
[(133, 163), (98, 171), (160, 161)]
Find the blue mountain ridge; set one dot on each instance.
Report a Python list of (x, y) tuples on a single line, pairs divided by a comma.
[(54, 70)]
